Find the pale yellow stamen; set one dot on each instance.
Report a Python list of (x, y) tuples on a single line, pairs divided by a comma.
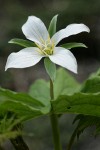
[(46, 47)]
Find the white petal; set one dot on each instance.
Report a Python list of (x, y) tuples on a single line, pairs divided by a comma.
[(35, 30), (64, 58), (71, 29), (25, 58)]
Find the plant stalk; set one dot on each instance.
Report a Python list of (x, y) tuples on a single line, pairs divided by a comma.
[(54, 123), (19, 143)]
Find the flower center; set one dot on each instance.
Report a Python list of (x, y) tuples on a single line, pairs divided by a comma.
[(46, 48)]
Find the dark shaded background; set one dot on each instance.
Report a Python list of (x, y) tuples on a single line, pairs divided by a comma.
[(13, 14)]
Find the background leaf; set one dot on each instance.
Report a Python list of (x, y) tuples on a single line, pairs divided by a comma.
[(65, 83), (40, 90)]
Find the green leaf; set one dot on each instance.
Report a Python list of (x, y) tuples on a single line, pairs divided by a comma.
[(88, 105), (50, 68), (7, 125), (83, 123), (78, 103), (73, 45), (21, 42), (65, 83), (92, 84), (21, 104), (40, 90), (52, 26), (87, 121)]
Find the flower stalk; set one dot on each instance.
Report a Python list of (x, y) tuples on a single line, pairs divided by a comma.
[(54, 123)]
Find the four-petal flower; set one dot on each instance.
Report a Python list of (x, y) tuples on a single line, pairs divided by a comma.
[(35, 30)]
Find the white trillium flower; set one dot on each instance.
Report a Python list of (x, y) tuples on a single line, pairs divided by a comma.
[(35, 30)]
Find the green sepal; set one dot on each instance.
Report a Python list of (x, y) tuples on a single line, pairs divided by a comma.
[(73, 45), (21, 42), (52, 26), (50, 68)]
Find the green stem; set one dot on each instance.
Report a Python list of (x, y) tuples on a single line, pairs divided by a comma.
[(54, 123)]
